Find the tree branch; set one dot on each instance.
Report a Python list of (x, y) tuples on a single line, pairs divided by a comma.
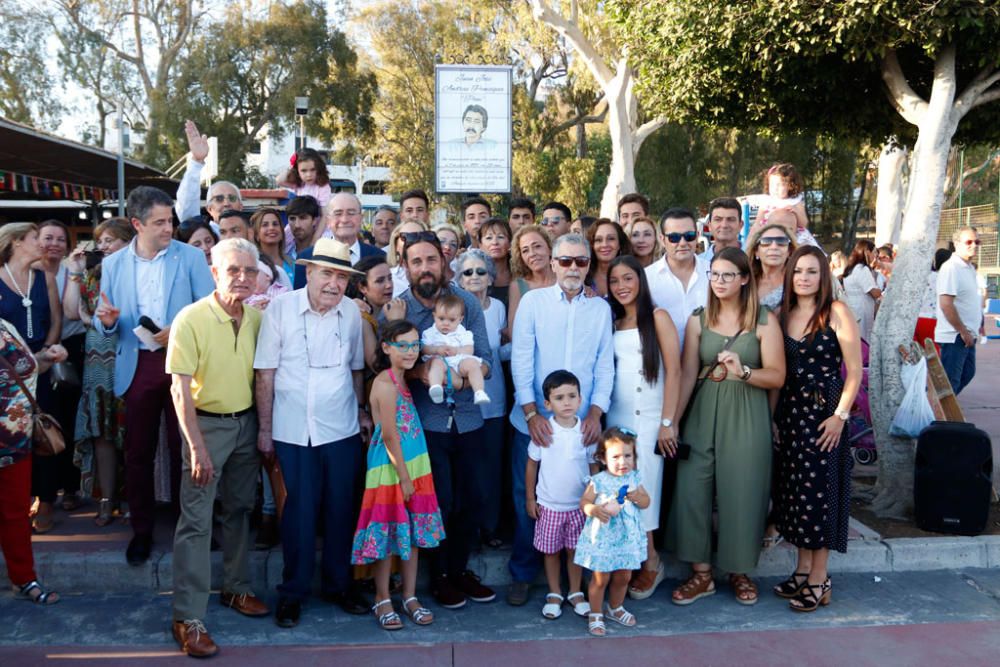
[(570, 31), (903, 98), (643, 131), (580, 119), (986, 98)]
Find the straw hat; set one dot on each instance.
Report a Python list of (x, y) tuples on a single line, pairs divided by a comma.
[(330, 253)]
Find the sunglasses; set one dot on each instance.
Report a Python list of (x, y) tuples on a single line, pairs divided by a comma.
[(775, 240), (478, 272), (554, 220), (566, 262), (675, 237), (232, 199), (419, 237), (403, 346), (972, 242)]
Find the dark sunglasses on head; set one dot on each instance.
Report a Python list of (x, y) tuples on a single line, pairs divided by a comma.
[(775, 240), (419, 237), (478, 271), (567, 262), (675, 237)]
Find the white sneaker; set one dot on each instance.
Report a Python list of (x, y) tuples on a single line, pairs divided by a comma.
[(481, 397), (436, 392)]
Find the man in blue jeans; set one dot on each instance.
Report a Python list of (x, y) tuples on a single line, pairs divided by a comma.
[(557, 328), (959, 310)]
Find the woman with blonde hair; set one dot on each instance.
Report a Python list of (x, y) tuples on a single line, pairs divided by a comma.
[(530, 266), (642, 234), (769, 250)]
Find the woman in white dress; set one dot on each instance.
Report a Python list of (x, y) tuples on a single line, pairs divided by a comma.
[(859, 284), (644, 399)]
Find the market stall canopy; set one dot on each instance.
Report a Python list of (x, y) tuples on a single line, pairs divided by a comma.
[(35, 164)]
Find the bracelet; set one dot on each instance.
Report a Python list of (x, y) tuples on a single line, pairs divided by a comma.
[(531, 415)]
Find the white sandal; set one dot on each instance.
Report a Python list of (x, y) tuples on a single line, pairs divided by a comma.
[(389, 620), (553, 610), (421, 615), (581, 607), (595, 624), (620, 615)]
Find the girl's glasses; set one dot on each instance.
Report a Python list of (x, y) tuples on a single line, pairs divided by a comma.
[(478, 272), (403, 346), (724, 278), (775, 240)]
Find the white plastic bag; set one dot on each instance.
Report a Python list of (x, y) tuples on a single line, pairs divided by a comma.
[(915, 412)]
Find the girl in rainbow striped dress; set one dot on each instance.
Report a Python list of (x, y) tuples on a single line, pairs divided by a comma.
[(399, 512)]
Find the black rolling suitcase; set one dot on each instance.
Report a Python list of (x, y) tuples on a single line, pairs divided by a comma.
[(953, 478)]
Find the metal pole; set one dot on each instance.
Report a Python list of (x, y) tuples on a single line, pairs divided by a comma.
[(121, 161), (302, 132)]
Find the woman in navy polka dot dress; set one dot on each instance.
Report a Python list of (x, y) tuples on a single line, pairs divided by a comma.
[(813, 461)]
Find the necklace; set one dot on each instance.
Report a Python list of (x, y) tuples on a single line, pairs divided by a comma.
[(25, 301)]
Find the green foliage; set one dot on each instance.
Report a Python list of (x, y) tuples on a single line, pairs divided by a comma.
[(575, 176), (240, 78), (802, 65), (26, 86)]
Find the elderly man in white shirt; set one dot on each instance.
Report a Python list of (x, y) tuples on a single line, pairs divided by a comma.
[(311, 409), (556, 328), (678, 281)]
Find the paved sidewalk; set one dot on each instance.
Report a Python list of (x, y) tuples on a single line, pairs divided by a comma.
[(915, 618)]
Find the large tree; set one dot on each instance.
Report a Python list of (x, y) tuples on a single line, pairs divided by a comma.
[(148, 38), (239, 80), (613, 71), (27, 90), (922, 70)]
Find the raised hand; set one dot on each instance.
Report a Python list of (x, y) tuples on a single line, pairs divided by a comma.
[(197, 142)]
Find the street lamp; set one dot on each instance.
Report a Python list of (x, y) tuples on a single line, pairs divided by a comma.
[(301, 110)]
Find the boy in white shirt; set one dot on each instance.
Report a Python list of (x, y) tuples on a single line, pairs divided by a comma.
[(553, 496)]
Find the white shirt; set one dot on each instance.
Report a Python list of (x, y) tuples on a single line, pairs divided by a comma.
[(355, 251), (149, 292), (460, 337), (563, 468), (313, 354), (959, 279), (678, 299)]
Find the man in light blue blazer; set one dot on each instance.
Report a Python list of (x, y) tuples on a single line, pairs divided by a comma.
[(154, 277)]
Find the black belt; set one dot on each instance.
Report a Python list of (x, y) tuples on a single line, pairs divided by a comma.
[(223, 415)]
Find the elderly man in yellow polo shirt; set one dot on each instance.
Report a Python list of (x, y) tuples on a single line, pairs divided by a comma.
[(210, 359)]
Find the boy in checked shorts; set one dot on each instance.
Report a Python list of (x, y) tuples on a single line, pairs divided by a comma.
[(555, 479)]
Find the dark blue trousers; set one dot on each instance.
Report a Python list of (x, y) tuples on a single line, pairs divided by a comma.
[(321, 486)]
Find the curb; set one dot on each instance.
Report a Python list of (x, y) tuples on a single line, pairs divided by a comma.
[(107, 572)]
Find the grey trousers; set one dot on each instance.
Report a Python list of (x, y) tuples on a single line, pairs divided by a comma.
[(232, 446)]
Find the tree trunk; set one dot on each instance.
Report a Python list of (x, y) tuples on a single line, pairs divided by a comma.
[(901, 305), (889, 197), (621, 173)]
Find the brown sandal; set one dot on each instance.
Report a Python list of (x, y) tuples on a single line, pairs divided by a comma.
[(745, 589), (700, 585)]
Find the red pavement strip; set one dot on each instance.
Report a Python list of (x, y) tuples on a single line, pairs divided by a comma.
[(965, 644)]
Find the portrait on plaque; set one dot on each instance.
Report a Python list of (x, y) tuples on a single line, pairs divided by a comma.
[(472, 128)]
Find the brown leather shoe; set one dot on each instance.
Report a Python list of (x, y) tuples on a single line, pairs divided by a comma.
[(194, 639), (247, 604)]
